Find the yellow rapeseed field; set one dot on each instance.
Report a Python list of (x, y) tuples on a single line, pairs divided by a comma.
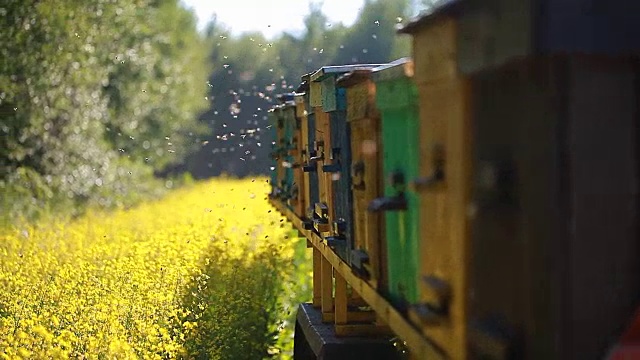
[(210, 271)]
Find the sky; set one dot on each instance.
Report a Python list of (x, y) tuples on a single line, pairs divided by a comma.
[(270, 16)]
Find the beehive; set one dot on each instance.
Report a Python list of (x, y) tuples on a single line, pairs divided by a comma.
[(497, 32), (292, 158), (552, 181), (397, 101), (540, 127), (309, 163), (277, 153), (335, 180), (273, 158), (300, 177), (368, 258), (443, 183)]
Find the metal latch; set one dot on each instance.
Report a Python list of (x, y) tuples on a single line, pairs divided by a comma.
[(438, 160)]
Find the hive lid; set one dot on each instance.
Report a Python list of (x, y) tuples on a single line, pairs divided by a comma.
[(303, 88), (325, 71), (354, 77), (287, 99), (440, 8), (401, 68), (272, 115), (304, 85), (299, 98)]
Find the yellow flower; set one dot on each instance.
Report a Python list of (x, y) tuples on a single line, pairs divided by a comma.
[(24, 353), (137, 283)]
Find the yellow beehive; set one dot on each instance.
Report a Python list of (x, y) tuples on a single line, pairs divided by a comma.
[(443, 184)]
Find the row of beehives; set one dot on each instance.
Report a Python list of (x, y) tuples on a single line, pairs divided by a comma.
[(346, 161), (329, 166), (462, 184)]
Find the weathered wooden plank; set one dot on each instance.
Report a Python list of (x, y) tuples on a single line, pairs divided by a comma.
[(317, 278), (341, 300), (326, 285)]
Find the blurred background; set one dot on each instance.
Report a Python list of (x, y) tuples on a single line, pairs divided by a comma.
[(109, 102)]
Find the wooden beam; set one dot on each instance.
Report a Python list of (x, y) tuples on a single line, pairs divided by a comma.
[(419, 345), (317, 277), (341, 300), (326, 286)]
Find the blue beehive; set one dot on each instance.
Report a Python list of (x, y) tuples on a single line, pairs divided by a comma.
[(309, 166), (337, 157)]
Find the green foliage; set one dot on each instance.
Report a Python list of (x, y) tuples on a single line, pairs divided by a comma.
[(373, 37), (250, 304), (296, 289), (94, 97), (24, 183), (240, 304), (160, 78)]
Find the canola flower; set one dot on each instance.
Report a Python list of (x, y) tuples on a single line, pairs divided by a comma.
[(210, 271)]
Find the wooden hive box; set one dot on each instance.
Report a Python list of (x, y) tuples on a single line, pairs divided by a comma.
[(443, 184), (273, 156), (309, 164), (335, 170), (319, 157), (552, 213), (301, 177), (369, 256), (277, 170), (550, 224), (293, 170), (496, 32), (397, 101)]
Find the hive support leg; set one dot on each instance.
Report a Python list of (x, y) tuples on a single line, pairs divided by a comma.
[(317, 278), (371, 232), (327, 290), (341, 300)]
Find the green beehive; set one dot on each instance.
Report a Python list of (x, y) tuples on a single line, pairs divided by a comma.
[(273, 155), (277, 152), (288, 144), (397, 100)]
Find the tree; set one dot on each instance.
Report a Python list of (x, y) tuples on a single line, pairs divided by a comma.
[(373, 38), (88, 93)]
